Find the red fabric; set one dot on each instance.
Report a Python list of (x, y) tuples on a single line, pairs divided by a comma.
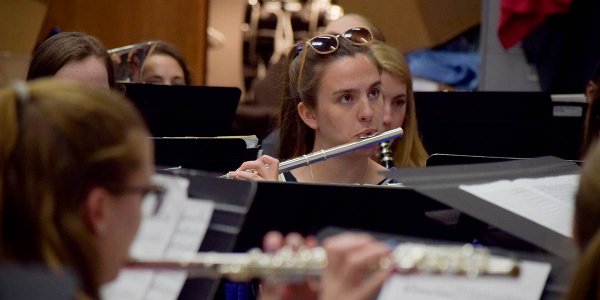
[(519, 17)]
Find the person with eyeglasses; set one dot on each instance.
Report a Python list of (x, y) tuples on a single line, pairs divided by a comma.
[(75, 164), (332, 96)]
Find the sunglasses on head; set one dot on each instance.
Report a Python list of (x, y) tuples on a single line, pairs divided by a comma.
[(329, 43)]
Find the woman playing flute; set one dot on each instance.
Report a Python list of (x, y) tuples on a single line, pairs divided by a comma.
[(332, 97)]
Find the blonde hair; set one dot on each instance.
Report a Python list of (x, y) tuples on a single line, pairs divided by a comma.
[(584, 284), (59, 140), (409, 150)]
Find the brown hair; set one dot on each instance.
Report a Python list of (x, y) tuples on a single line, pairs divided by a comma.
[(59, 140), (63, 48), (170, 50), (302, 80), (584, 284), (409, 150)]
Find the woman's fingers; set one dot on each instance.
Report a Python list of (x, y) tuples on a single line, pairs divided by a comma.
[(353, 269), (264, 168), (272, 241), (364, 262), (295, 241), (337, 247), (372, 285)]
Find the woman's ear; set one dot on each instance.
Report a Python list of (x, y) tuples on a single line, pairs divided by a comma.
[(96, 210), (308, 116)]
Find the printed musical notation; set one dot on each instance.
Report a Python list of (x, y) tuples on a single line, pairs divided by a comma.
[(527, 286), (548, 201)]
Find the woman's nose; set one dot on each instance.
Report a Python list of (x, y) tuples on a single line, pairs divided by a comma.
[(366, 110)]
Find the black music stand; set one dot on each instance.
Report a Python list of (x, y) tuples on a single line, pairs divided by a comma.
[(232, 199), (442, 184), (208, 154), (308, 208), (502, 124), (246, 211), (442, 159), (176, 111)]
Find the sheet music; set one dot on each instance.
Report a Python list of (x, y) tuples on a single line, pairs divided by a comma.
[(548, 201), (527, 286), (176, 231)]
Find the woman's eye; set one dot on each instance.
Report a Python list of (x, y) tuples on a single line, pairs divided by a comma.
[(374, 93), (345, 98), (399, 102)]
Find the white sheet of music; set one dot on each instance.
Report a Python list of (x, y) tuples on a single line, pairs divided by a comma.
[(527, 286), (548, 201), (177, 230)]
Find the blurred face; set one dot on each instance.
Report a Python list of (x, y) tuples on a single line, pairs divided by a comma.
[(124, 212), (394, 98), (349, 102), (90, 71), (162, 69)]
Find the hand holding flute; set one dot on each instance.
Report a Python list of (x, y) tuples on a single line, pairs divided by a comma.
[(268, 168), (264, 168), (350, 264), (347, 274)]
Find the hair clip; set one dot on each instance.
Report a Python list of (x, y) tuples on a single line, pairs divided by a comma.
[(299, 47), (22, 91)]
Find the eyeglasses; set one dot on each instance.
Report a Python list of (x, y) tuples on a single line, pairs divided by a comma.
[(329, 43), (153, 197)]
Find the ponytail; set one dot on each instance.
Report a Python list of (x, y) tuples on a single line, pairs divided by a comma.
[(9, 122), (52, 133), (293, 129)]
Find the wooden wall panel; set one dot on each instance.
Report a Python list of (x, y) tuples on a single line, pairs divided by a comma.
[(118, 23), (418, 24)]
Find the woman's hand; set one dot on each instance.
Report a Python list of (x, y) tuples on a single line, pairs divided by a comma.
[(352, 270), (264, 168), (273, 242)]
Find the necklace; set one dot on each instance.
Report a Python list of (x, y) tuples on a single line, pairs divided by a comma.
[(311, 173)]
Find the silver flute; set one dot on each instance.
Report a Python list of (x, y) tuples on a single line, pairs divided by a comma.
[(288, 265), (320, 155)]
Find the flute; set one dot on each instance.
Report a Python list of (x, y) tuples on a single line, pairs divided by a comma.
[(287, 265), (386, 156), (317, 156)]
